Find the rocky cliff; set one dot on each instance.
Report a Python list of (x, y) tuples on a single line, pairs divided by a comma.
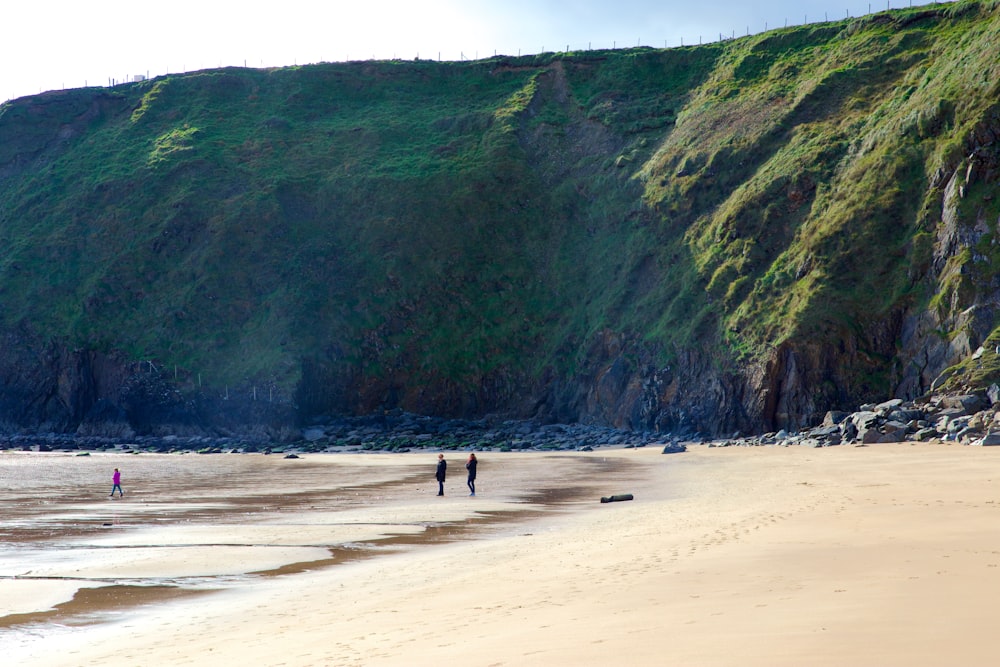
[(736, 237)]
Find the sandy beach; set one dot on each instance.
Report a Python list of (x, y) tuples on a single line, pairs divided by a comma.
[(879, 555)]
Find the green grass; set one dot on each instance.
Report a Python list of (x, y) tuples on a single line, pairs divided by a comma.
[(474, 227), (977, 371)]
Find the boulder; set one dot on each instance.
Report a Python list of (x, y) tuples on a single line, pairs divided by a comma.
[(883, 409), (968, 433), (956, 424), (835, 417), (988, 440), (848, 431), (980, 420), (950, 413), (891, 426), (970, 403), (831, 435), (906, 415), (864, 419), (892, 436), (866, 423), (869, 436)]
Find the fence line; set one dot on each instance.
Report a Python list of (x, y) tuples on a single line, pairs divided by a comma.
[(185, 380), (873, 8)]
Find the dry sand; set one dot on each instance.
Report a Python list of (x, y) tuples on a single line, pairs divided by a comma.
[(768, 556)]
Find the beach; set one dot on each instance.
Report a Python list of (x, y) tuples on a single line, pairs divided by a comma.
[(877, 555)]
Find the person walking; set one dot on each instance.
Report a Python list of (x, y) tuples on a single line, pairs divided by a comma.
[(116, 481), (439, 474), (470, 465)]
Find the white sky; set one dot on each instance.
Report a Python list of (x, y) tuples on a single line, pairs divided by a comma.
[(55, 44)]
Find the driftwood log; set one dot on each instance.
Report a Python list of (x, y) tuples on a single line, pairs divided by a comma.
[(616, 499)]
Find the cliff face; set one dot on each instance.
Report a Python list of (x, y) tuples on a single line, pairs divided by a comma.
[(734, 237)]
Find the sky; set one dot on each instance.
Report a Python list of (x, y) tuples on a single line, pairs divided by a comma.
[(56, 44)]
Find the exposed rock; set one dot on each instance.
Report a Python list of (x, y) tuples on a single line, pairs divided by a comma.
[(907, 415), (892, 436), (105, 419), (883, 409), (866, 423), (969, 403), (835, 417), (848, 430)]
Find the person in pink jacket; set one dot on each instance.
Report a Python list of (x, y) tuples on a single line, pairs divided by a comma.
[(116, 481)]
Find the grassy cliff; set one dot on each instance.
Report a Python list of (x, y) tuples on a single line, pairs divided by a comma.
[(449, 237)]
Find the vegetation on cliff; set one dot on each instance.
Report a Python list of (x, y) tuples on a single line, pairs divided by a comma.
[(454, 238)]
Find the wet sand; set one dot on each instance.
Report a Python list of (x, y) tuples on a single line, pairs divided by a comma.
[(191, 526), (881, 555)]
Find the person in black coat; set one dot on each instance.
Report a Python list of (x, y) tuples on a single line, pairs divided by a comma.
[(439, 475), (470, 465)]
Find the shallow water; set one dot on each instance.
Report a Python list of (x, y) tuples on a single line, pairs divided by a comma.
[(186, 522), (61, 495), (190, 524)]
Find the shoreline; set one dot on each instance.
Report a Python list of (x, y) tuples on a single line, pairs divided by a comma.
[(336, 532), (779, 555), (396, 432)]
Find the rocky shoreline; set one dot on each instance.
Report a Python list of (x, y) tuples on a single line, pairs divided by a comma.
[(970, 419), (393, 432)]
